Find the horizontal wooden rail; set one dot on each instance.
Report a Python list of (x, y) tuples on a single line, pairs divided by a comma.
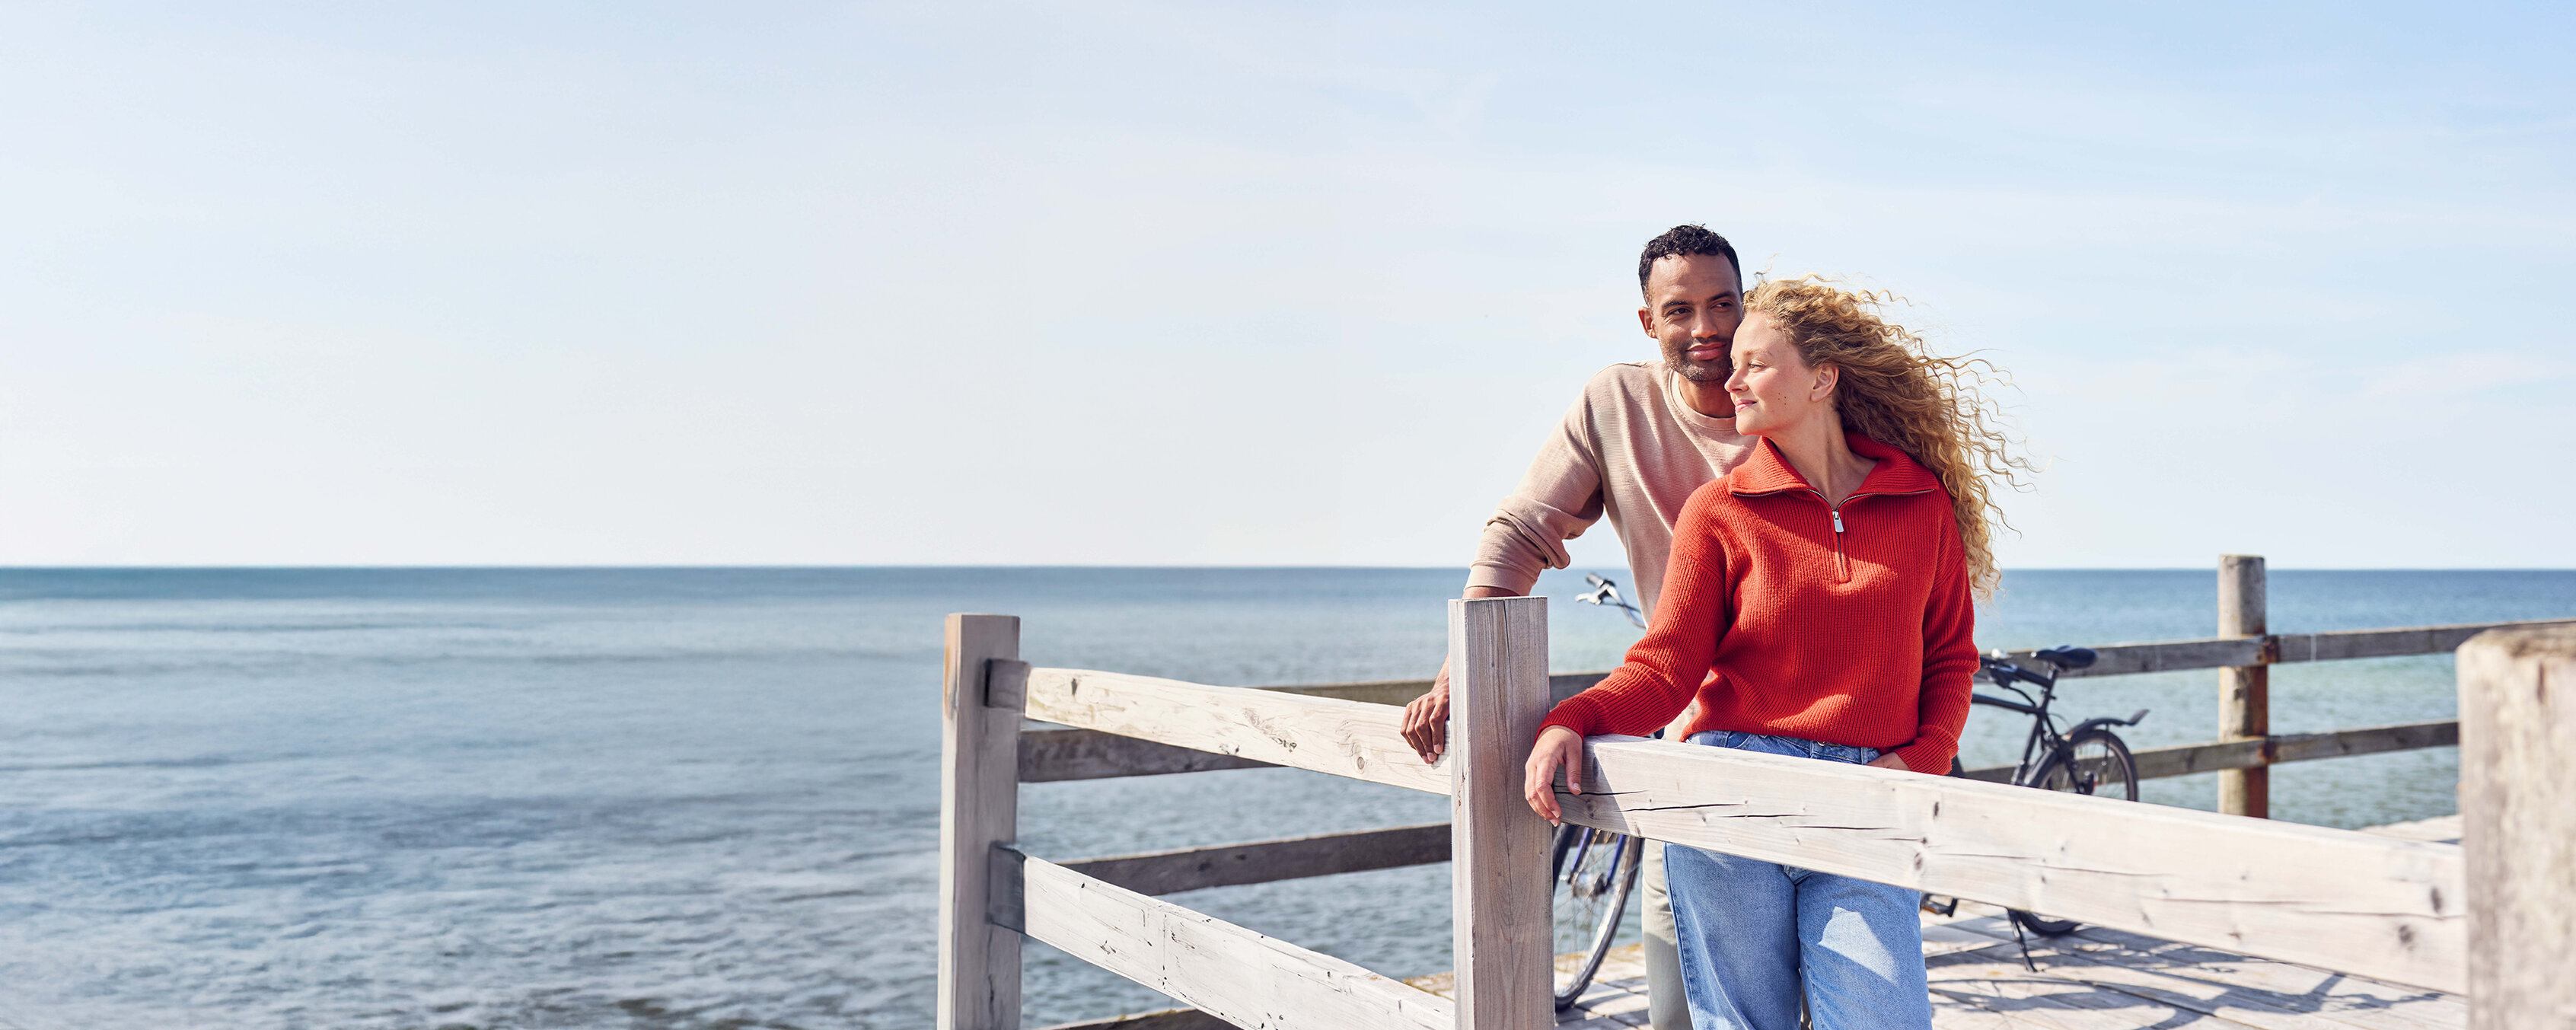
[(2187, 759), (1048, 756), (1052, 755), (1224, 970), (2283, 648), (1322, 734), (1171, 872), (2390, 909)]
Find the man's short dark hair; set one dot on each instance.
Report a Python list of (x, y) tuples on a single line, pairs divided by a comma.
[(1684, 241)]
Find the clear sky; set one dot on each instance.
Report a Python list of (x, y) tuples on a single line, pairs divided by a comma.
[(1198, 284)]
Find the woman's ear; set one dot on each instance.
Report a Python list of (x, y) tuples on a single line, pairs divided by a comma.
[(1826, 377)]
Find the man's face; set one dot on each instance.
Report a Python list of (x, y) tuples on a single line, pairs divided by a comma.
[(1692, 310)]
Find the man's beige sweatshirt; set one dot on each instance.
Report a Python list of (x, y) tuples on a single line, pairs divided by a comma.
[(1630, 449)]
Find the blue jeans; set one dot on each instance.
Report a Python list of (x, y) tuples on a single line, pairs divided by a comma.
[(1754, 934)]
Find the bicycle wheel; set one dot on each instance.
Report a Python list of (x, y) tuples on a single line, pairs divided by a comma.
[(1594, 872), (2094, 762)]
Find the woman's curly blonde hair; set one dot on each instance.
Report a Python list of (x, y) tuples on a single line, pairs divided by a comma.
[(1894, 390)]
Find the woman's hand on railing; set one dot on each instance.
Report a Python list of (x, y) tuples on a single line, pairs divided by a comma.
[(1558, 748), (1891, 761), (1426, 719)]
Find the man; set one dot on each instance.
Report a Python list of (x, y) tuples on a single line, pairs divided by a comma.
[(1643, 436)]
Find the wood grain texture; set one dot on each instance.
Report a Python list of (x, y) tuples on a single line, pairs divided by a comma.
[(2384, 908), (1330, 735), (2518, 822), (1503, 934), (1171, 872), (2189, 759), (1242, 977), (979, 963), (2244, 691), (2383, 643), (1048, 756), (1006, 684)]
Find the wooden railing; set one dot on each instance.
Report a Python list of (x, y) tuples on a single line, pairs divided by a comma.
[(2391, 909)]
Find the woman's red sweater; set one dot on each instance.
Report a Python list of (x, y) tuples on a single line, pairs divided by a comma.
[(1787, 616)]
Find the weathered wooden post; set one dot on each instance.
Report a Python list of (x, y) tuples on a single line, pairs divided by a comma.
[(1500, 906), (979, 807), (2518, 824), (2244, 691)]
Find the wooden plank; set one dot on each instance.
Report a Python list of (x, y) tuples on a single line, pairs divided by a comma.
[(2390, 909), (1345, 738), (1006, 683), (2166, 656), (2281, 648), (1081, 754), (2244, 691), (1171, 872), (1502, 931), (1047, 756), (2441, 829), (2308, 747), (2518, 823), (2385, 643), (1224, 970), (1397, 692), (2188, 759), (979, 963)]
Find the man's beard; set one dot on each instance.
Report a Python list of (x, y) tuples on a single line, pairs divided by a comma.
[(1699, 371)]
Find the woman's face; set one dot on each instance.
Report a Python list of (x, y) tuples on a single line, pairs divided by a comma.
[(1774, 389)]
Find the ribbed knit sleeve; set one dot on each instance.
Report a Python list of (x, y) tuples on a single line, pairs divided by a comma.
[(1949, 662), (1665, 668)]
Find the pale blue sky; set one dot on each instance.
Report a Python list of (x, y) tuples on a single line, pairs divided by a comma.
[(934, 283)]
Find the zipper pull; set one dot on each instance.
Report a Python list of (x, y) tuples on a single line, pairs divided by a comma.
[(1838, 520)]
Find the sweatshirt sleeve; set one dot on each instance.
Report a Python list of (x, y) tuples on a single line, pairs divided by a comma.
[(1665, 668), (1949, 659), (1557, 500)]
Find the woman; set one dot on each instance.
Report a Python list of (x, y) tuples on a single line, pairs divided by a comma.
[(1818, 604)]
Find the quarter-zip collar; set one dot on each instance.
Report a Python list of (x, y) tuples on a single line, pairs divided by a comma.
[(1767, 471)]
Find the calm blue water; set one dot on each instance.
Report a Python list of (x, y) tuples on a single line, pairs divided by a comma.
[(706, 798)]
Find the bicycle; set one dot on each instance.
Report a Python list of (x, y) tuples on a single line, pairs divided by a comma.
[(2089, 760), (1594, 870)]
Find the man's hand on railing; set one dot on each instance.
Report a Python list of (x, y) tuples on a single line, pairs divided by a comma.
[(1558, 748), (1426, 719)]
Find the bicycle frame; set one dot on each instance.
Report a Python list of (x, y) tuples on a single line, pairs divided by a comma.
[(2044, 738)]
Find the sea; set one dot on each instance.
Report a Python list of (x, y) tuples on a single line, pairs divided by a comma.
[(460, 799)]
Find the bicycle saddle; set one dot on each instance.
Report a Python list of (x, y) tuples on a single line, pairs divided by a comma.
[(2065, 657)]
